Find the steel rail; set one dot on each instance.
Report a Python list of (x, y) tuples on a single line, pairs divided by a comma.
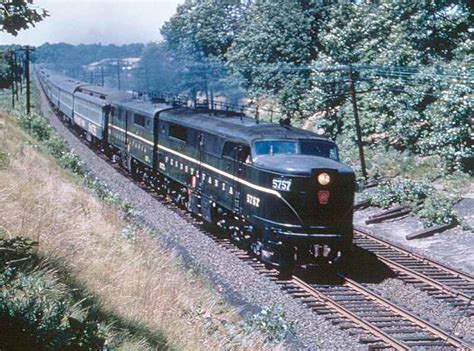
[(418, 321), (425, 279), (389, 340), (361, 231)]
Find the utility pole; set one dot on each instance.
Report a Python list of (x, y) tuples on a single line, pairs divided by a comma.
[(27, 72), (357, 122), (102, 75), (20, 74), (118, 73), (16, 73), (12, 76)]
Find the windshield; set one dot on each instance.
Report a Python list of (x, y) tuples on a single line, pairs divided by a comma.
[(294, 147), (319, 148), (276, 147)]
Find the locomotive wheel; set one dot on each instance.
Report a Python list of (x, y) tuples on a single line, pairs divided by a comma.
[(287, 264)]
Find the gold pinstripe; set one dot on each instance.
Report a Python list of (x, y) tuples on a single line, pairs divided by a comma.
[(205, 165)]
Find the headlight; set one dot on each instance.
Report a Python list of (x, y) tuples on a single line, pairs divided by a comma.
[(324, 179)]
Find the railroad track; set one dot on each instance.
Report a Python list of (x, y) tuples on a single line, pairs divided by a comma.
[(437, 280), (379, 323)]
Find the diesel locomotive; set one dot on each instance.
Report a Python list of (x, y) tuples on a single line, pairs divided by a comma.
[(280, 190)]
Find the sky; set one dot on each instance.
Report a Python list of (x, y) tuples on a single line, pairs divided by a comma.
[(97, 21)]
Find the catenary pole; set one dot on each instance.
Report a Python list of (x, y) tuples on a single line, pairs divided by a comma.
[(357, 122)]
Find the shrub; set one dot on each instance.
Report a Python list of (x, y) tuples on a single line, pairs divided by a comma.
[(36, 125), (37, 310), (403, 191), (437, 210), (56, 146), (270, 321), (71, 161)]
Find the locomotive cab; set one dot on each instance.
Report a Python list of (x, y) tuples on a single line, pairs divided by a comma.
[(308, 220)]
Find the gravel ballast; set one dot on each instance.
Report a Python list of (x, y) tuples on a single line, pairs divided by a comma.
[(421, 304), (242, 285)]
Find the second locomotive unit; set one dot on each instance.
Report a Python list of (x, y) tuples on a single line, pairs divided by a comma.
[(280, 189)]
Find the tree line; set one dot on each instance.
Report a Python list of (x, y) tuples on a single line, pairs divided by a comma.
[(411, 62)]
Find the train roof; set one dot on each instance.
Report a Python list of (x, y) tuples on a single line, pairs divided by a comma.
[(65, 83), (143, 107), (93, 99), (242, 129), (108, 94)]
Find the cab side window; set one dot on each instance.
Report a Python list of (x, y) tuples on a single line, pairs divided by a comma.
[(238, 152), (178, 132), (139, 119), (230, 150)]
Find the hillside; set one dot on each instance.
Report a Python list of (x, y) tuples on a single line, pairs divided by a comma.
[(83, 274)]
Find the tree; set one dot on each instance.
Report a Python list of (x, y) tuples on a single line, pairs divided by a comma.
[(158, 70), (277, 41), (410, 58), (410, 62), (16, 15), (198, 37)]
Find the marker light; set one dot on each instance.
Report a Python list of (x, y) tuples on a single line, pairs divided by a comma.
[(324, 179)]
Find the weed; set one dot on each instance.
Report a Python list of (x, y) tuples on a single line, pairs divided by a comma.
[(271, 322), (36, 125), (56, 145), (403, 191), (4, 159), (72, 162), (101, 189), (437, 210)]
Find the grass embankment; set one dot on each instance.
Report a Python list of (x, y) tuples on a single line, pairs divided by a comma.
[(99, 269)]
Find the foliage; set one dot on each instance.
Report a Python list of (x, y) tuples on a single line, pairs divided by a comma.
[(5, 69), (410, 61), (197, 37), (437, 210), (276, 39), (402, 191), (270, 321), (35, 125), (102, 191), (39, 127), (16, 15), (37, 310), (160, 70), (4, 160)]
